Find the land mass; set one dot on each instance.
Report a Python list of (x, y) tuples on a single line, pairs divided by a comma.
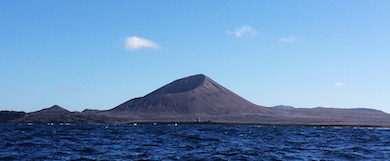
[(199, 99)]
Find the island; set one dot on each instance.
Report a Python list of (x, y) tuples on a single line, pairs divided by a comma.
[(199, 99)]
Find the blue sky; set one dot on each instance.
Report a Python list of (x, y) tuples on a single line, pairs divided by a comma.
[(99, 54)]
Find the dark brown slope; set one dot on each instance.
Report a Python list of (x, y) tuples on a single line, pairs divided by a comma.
[(187, 99)]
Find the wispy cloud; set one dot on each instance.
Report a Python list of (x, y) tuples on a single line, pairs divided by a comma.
[(291, 39), (339, 84), (133, 43), (66, 89), (243, 31)]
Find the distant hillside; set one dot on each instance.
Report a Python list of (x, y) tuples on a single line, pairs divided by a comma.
[(57, 114), (6, 116), (283, 107)]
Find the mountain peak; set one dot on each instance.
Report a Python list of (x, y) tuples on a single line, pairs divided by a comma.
[(181, 85)]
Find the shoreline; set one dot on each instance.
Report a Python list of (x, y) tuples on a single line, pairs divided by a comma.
[(211, 124)]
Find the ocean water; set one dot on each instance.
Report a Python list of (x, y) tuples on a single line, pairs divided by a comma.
[(191, 142)]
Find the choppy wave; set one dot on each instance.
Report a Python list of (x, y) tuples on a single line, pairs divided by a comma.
[(191, 142)]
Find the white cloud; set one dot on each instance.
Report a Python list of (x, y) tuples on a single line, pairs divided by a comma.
[(133, 43), (339, 84), (291, 39), (243, 31), (66, 89)]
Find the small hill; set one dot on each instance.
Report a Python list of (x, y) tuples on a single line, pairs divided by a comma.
[(55, 114), (54, 109)]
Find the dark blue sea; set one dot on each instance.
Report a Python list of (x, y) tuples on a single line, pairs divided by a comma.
[(191, 142)]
